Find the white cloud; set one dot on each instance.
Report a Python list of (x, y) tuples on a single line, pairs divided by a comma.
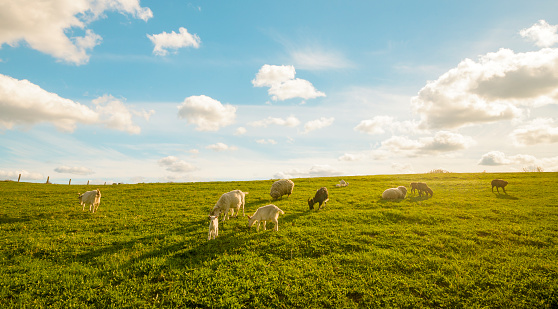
[(538, 131), (24, 103), (317, 124), (206, 113), (74, 170), (290, 121), (240, 131), (402, 167), (375, 125), (314, 171), (266, 141), (499, 158), (221, 147), (283, 84), (25, 175), (173, 41), (175, 165), (316, 58), (543, 34), (352, 157), (493, 89), (45, 25), (115, 115)]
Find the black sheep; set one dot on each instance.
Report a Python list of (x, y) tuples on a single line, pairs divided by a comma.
[(322, 196)]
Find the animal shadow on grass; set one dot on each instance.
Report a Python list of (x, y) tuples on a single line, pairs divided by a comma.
[(415, 199), (6, 219), (505, 196)]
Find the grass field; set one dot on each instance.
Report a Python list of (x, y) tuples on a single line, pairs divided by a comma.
[(465, 247)]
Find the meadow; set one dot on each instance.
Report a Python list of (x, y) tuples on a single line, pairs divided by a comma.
[(147, 246)]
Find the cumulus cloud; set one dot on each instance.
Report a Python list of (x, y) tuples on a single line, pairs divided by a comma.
[(314, 171), (25, 175), (221, 147), (283, 85), (375, 125), (538, 131), (290, 121), (173, 41), (45, 25), (543, 34), (317, 124), (74, 170), (175, 165), (206, 113), (240, 131), (493, 89), (266, 141), (115, 115), (494, 158)]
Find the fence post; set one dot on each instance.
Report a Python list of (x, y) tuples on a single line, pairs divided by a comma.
[(48, 178), (88, 182), (19, 178), (70, 183)]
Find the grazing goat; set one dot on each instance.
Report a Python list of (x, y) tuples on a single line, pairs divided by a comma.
[(395, 193), (281, 187), (421, 187), (499, 183), (91, 198), (342, 183), (229, 201), (266, 213), (213, 227), (321, 196)]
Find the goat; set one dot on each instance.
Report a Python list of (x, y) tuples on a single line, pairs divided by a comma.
[(499, 183), (321, 196), (213, 227), (229, 201), (266, 213), (91, 198)]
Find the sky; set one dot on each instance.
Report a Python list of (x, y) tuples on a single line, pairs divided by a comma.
[(128, 91)]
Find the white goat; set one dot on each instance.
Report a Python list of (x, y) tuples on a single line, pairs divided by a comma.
[(213, 227), (266, 213), (342, 183), (229, 201), (91, 198)]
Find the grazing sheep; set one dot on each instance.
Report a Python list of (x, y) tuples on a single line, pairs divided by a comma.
[(213, 227), (229, 201), (421, 187), (342, 183), (321, 196), (395, 193), (281, 187), (499, 183), (266, 213), (91, 198)]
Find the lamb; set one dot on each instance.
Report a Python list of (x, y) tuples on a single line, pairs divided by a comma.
[(321, 196), (342, 183), (421, 187), (395, 193), (281, 187), (266, 213), (213, 227), (229, 201), (91, 198), (499, 183)]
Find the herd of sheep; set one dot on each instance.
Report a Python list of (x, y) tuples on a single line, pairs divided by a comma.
[(235, 200)]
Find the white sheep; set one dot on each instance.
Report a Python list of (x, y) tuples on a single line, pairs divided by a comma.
[(229, 201), (266, 213), (342, 183), (91, 198), (395, 193), (213, 227), (281, 187)]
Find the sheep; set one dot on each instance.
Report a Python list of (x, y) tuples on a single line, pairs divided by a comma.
[(229, 201), (421, 187), (342, 183), (281, 187), (499, 183), (395, 193), (266, 213), (321, 196), (91, 198), (213, 227)]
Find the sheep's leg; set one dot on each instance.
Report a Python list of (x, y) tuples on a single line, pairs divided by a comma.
[(276, 224), (264, 225)]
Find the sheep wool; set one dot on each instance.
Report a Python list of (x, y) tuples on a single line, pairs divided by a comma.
[(395, 193), (281, 187)]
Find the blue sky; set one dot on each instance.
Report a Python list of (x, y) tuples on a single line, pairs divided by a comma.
[(157, 91)]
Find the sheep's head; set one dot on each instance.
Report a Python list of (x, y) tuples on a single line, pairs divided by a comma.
[(250, 220), (311, 203)]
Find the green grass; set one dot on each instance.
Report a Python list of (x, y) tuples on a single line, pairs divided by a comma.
[(465, 247)]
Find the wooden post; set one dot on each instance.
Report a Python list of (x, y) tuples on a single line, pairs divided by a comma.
[(19, 178), (48, 178), (70, 183), (88, 182)]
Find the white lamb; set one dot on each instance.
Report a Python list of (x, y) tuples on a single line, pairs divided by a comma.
[(91, 198), (229, 201), (395, 193), (213, 227), (342, 183), (264, 214), (281, 187)]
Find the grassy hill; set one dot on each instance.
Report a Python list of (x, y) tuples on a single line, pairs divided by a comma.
[(465, 247)]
